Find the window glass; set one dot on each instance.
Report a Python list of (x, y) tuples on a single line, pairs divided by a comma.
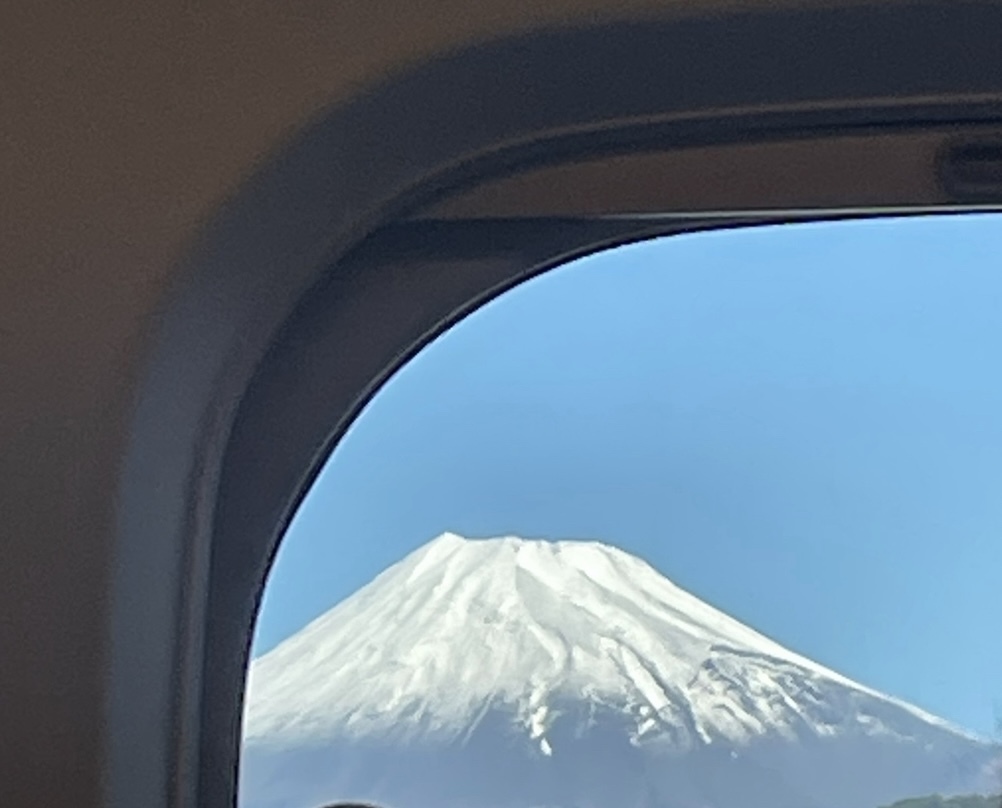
[(710, 521)]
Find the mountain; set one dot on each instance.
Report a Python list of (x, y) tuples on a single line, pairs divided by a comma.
[(960, 801), (506, 673)]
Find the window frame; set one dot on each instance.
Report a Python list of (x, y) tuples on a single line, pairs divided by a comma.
[(310, 288)]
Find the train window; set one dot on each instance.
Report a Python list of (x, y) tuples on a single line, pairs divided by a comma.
[(708, 521)]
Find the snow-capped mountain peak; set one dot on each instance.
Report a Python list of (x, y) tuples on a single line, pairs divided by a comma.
[(509, 673), (464, 623)]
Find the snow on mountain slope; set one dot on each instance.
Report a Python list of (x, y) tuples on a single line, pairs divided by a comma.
[(536, 654)]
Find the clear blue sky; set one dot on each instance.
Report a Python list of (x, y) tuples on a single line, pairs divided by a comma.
[(800, 424)]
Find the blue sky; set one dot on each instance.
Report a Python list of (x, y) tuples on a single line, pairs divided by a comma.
[(800, 424)]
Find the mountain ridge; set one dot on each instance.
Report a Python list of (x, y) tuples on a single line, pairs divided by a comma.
[(528, 651)]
